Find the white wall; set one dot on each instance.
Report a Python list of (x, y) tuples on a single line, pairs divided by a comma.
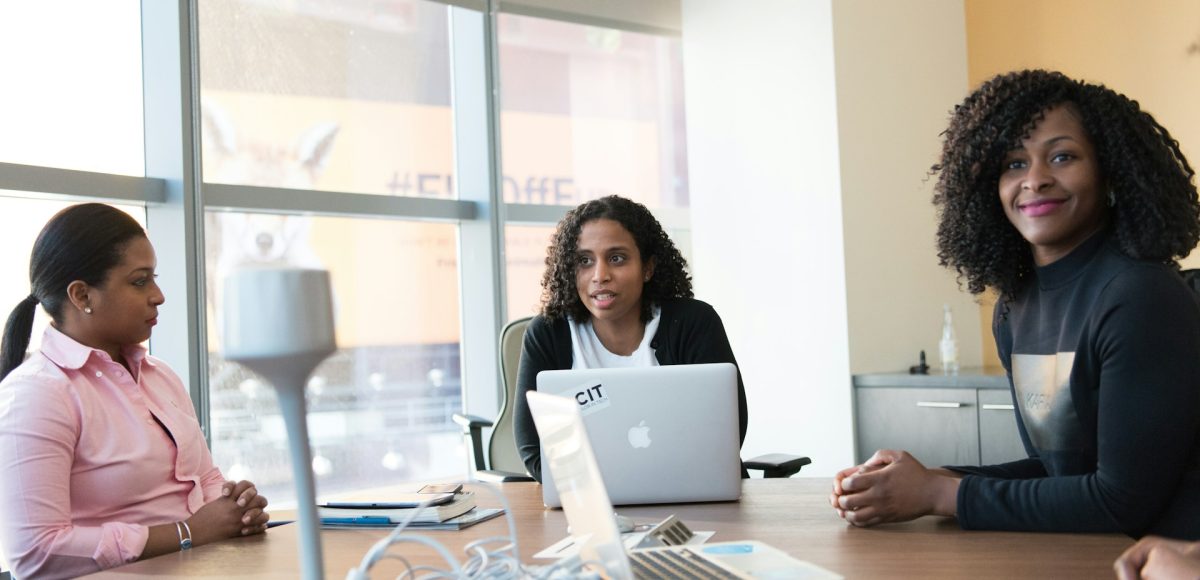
[(766, 215), (811, 126), (901, 68)]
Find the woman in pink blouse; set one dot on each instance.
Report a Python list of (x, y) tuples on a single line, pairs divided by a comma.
[(102, 461)]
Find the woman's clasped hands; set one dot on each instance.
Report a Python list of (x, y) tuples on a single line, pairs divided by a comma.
[(238, 512), (892, 486)]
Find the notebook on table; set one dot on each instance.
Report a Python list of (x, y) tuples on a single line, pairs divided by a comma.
[(568, 453), (661, 434)]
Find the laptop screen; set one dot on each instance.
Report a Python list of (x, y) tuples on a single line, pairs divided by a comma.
[(567, 453)]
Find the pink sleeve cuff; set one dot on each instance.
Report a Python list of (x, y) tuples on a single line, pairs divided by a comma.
[(120, 544), (212, 489)]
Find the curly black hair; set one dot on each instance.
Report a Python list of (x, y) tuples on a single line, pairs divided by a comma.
[(1156, 216), (670, 279)]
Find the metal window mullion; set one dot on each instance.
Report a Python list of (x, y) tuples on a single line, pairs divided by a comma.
[(476, 5), (477, 177), (631, 21), (222, 196), (534, 214), (81, 185), (170, 89)]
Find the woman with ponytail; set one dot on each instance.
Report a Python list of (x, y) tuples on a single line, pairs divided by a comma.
[(102, 461)]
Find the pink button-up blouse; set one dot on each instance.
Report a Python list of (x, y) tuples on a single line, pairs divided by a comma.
[(91, 456)]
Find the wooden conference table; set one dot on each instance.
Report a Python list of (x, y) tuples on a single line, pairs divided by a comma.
[(790, 514)]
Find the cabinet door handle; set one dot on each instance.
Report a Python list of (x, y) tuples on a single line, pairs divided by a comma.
[(939, 404), (989, 407)]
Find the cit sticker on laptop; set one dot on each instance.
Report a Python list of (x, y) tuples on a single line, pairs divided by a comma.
[(591, 397)]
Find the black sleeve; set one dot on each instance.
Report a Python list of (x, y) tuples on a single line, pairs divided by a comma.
[(1019, 469), (1147, 353), (705, 341), (537, 355)]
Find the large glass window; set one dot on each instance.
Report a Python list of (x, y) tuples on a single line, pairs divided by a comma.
[(72, 94), (588, 112), (304, 105), (331, 95), (340, 96), (526, 257), (585, 112), (380, 408)]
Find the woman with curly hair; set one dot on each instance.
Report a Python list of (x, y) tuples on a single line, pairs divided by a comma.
[(1074, 205), (616, 293)]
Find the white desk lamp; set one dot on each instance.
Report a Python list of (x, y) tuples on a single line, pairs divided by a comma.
[(279, 323)]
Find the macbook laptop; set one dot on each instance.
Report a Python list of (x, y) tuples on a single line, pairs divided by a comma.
[(567, 453), (661, 434)]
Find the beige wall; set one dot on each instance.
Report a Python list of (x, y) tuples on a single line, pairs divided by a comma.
[(1147, 49), (901, 68)]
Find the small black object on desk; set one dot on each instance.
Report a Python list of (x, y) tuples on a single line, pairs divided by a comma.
[(920, 368)]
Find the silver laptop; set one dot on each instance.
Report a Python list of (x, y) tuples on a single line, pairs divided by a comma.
[(661, 434), (567, 453)]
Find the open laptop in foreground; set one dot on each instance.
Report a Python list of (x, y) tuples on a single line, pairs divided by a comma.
[(661, 434), (568, 454)]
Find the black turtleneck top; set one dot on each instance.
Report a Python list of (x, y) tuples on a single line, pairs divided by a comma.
[(1103, 356)]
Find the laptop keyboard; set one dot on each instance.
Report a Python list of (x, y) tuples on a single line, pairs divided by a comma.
[(676, 563)]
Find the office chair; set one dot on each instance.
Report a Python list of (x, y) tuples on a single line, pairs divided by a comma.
[(502, 462), (506, 464), (1192, 279), (776, 465)]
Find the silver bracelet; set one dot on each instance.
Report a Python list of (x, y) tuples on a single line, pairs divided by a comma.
[(184, 543)]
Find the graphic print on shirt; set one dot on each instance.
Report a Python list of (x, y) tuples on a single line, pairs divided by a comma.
[(1043, 385)]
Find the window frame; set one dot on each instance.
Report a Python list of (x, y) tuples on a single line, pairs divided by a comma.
[(176, 198)]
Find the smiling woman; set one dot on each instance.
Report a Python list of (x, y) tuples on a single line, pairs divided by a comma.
[(1051, 187), (1074, 204), (615, 293)]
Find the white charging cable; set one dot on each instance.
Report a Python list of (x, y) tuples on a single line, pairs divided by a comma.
[(501, 561)]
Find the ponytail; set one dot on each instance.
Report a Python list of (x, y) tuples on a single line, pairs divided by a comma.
[(81, 242), (16, 335)]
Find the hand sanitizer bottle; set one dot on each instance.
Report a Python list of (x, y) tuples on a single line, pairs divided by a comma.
[(948, 345)]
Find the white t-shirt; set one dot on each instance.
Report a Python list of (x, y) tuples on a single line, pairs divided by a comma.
[(589, 353)]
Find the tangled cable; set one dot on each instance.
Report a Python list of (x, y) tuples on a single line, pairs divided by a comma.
[(501, 561)]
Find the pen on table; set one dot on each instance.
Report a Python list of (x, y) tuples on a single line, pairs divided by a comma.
[(275, 523), (360, 521)]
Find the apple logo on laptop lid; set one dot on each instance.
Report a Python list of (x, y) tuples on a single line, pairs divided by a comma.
[(639, 435)]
